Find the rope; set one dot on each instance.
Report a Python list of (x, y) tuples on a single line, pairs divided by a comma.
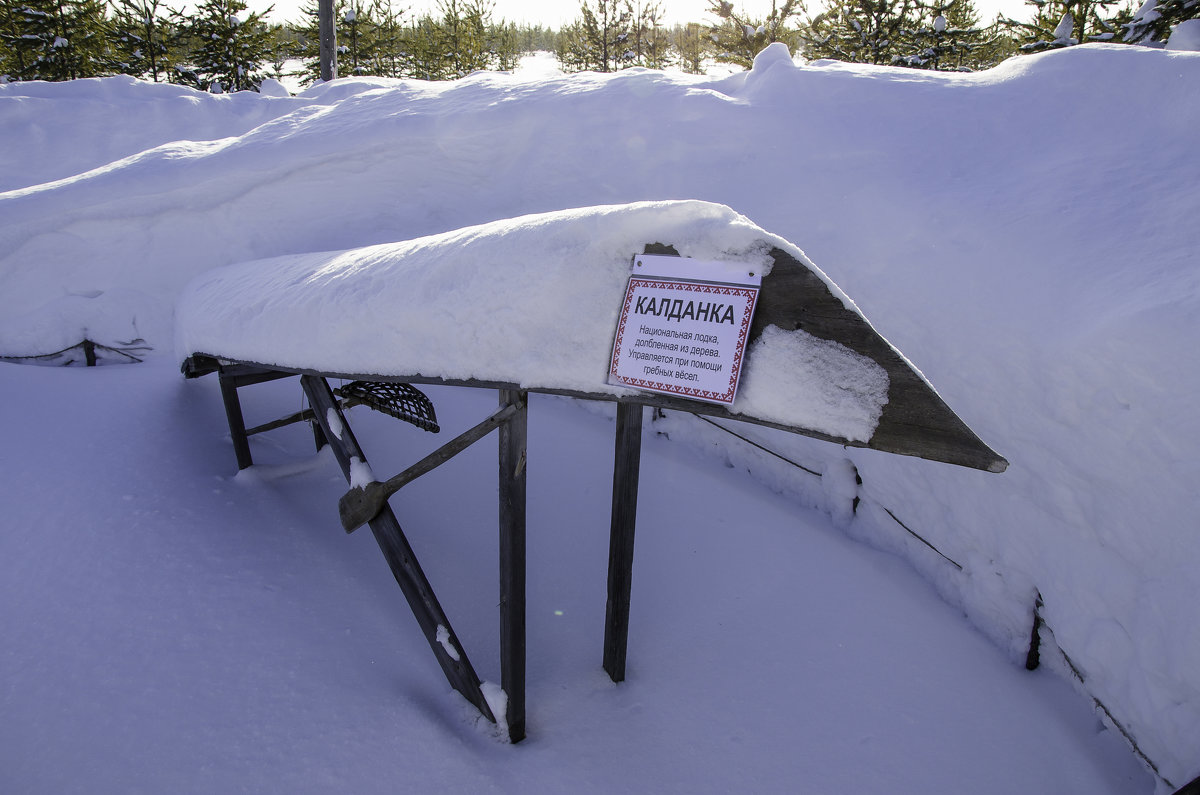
[(1096, 701), (787, 460), (138, 345), (1033, 658)]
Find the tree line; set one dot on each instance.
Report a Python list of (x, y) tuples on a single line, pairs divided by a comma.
[(221, 46)]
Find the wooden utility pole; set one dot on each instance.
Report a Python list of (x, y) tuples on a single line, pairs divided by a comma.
[(328, 35)]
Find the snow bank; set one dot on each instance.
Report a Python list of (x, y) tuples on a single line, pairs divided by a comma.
[(1033, 250), (1185, 37), (41, 123)]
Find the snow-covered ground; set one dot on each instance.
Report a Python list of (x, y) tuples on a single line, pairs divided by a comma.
[(1029, 245)]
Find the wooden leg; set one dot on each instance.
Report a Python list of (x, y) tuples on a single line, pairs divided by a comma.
[(626, 468), (403, 563), (512, 560), (237, 424)]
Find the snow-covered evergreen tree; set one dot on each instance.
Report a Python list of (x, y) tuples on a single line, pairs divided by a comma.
[(463, 36), (1063, 23), (53, 39), (140, 32), (738, 37), (864, 31), (390, 54), (1152, 23), (600, 39), (232, 45), (947, 35)]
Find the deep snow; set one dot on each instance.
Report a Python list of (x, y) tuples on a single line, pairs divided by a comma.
[(1029, 246)]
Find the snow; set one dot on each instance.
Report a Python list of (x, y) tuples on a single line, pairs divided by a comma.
[(443, 637), (335, 423), (172, 627), (483, 302), (1062, 32), (360, 473), (533, 299), (791, 374), (1185, 37)]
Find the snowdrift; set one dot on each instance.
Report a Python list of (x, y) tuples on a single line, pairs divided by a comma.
[(1032, 246)]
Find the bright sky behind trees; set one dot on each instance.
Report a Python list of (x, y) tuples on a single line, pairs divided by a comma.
[(555, 13)]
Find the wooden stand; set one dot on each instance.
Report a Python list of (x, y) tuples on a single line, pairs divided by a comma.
[(434, 623), (915, 421)]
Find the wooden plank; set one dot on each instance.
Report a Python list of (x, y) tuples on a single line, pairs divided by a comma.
[(956, 444), (513, 448), (627, 459), (399, 555), (282, 422), (915, 420), (248, 375)]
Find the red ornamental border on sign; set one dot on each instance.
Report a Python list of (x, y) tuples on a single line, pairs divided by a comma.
[(748, 293)]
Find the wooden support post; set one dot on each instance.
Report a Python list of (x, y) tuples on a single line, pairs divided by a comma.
[(403, 563), (513, 436), (626, 468), (327, 40), (237, 424)]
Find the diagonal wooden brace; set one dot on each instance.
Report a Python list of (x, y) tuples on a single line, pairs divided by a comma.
[(399, 555), (359, 504)]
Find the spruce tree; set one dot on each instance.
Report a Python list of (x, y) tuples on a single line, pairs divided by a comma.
[(1151, 24), (1063, 23), (600, 38), (15, 53), (354, 50), (947, 36), (463, 35), (54, 39), (865, 31), (423, 49), (739, 38), (231, 46), (140, 32), (390, 56)]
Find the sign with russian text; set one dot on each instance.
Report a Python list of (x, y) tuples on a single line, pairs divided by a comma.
[(683, 327)]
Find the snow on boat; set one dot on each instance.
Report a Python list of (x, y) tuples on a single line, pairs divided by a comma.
[(533, 303)]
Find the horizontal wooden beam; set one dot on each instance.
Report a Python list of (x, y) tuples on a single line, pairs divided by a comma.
[(940, 446)]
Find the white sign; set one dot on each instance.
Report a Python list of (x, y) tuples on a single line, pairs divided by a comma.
[(683, 327)]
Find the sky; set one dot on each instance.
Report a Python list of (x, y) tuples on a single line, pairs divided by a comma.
[(555, 13)]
